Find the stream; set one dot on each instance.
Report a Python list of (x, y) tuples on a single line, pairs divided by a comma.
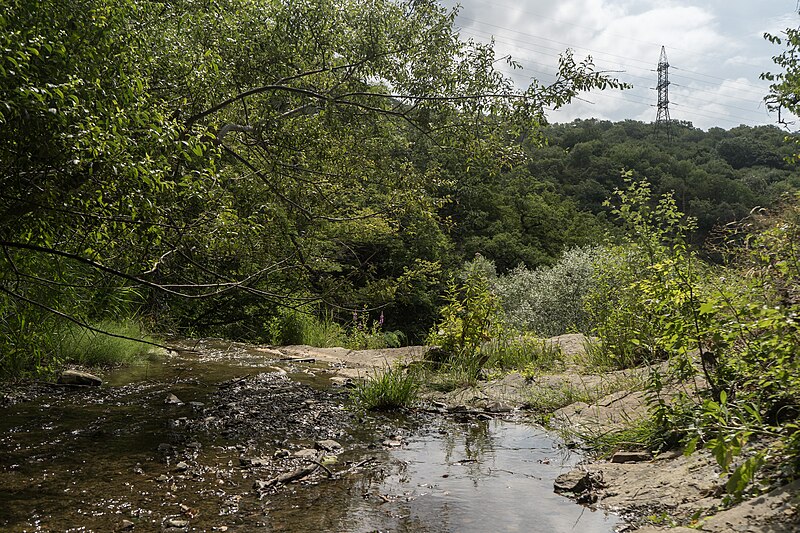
[(198, 441)]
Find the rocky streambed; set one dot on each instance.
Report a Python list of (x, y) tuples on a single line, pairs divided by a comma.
[(226, 437)]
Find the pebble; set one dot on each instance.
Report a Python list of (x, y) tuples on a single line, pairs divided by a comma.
[(181, 467), (171, 399)]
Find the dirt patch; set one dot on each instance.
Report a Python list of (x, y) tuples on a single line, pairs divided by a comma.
[(343, 362)]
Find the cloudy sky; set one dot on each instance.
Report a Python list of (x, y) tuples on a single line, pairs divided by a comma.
[(715, 49)]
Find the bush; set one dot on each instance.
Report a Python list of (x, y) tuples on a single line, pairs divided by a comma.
[(550, 301), (471, 317)]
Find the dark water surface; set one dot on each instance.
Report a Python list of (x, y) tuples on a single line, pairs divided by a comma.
[(88, 460)]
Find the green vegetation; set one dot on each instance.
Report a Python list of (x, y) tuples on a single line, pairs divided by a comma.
[(154, 167), (81, 346), (386, 389), (354, 173)]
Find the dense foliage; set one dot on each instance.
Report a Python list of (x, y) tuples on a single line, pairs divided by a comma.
[(207, 165)]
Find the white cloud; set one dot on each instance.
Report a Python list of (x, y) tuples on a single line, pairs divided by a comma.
[(715, 48)]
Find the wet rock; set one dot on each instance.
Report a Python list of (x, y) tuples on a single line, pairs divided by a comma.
[(254, 462), (498, 407), (392, 443), (179, 523), (171, 399), (279, 454), (306, 452), (196, 405), (631, 457), (126, 525), (582, 485), (575, 481), (76, 377), (328, 445), (162, 478), (181, 467)]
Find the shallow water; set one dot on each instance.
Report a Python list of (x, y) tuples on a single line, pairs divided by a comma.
[(87, 460)]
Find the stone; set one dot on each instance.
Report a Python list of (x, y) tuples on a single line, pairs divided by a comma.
[(76, 377), (576, 481), (391, 443), (306, 452), (126, 525), (498, 407), (177, 522), (254, 461), (181, 467), (328, 445), (171, 399), (631, 457)]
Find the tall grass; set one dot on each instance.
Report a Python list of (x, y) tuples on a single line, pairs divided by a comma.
[(81, 346), (390, 388), (523, 353)]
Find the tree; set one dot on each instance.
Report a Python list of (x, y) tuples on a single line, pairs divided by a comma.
[(212, 161)]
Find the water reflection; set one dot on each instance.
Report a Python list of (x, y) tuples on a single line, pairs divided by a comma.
[(91, 460)]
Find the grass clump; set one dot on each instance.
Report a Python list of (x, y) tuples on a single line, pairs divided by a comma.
[(391, 388), (523, 353), (85, 347)]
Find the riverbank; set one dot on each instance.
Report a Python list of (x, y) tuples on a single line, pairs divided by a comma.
[(230, 425), (220, 436), (654, 492)]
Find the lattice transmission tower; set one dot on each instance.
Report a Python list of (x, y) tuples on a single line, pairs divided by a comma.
[(662, 116)]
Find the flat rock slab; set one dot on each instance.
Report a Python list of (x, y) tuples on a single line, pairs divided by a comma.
[(77, 377), (631, 457)]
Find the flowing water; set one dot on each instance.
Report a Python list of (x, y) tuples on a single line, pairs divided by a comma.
[(120, 457)]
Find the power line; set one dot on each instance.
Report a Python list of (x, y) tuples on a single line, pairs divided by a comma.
[(624, 76)]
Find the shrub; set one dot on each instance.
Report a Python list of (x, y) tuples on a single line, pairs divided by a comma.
[(471, 317), (549, 301)]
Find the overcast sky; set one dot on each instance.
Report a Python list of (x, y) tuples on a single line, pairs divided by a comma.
[(715, 49)]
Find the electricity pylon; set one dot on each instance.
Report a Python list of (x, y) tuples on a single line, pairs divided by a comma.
[(662, 116)]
